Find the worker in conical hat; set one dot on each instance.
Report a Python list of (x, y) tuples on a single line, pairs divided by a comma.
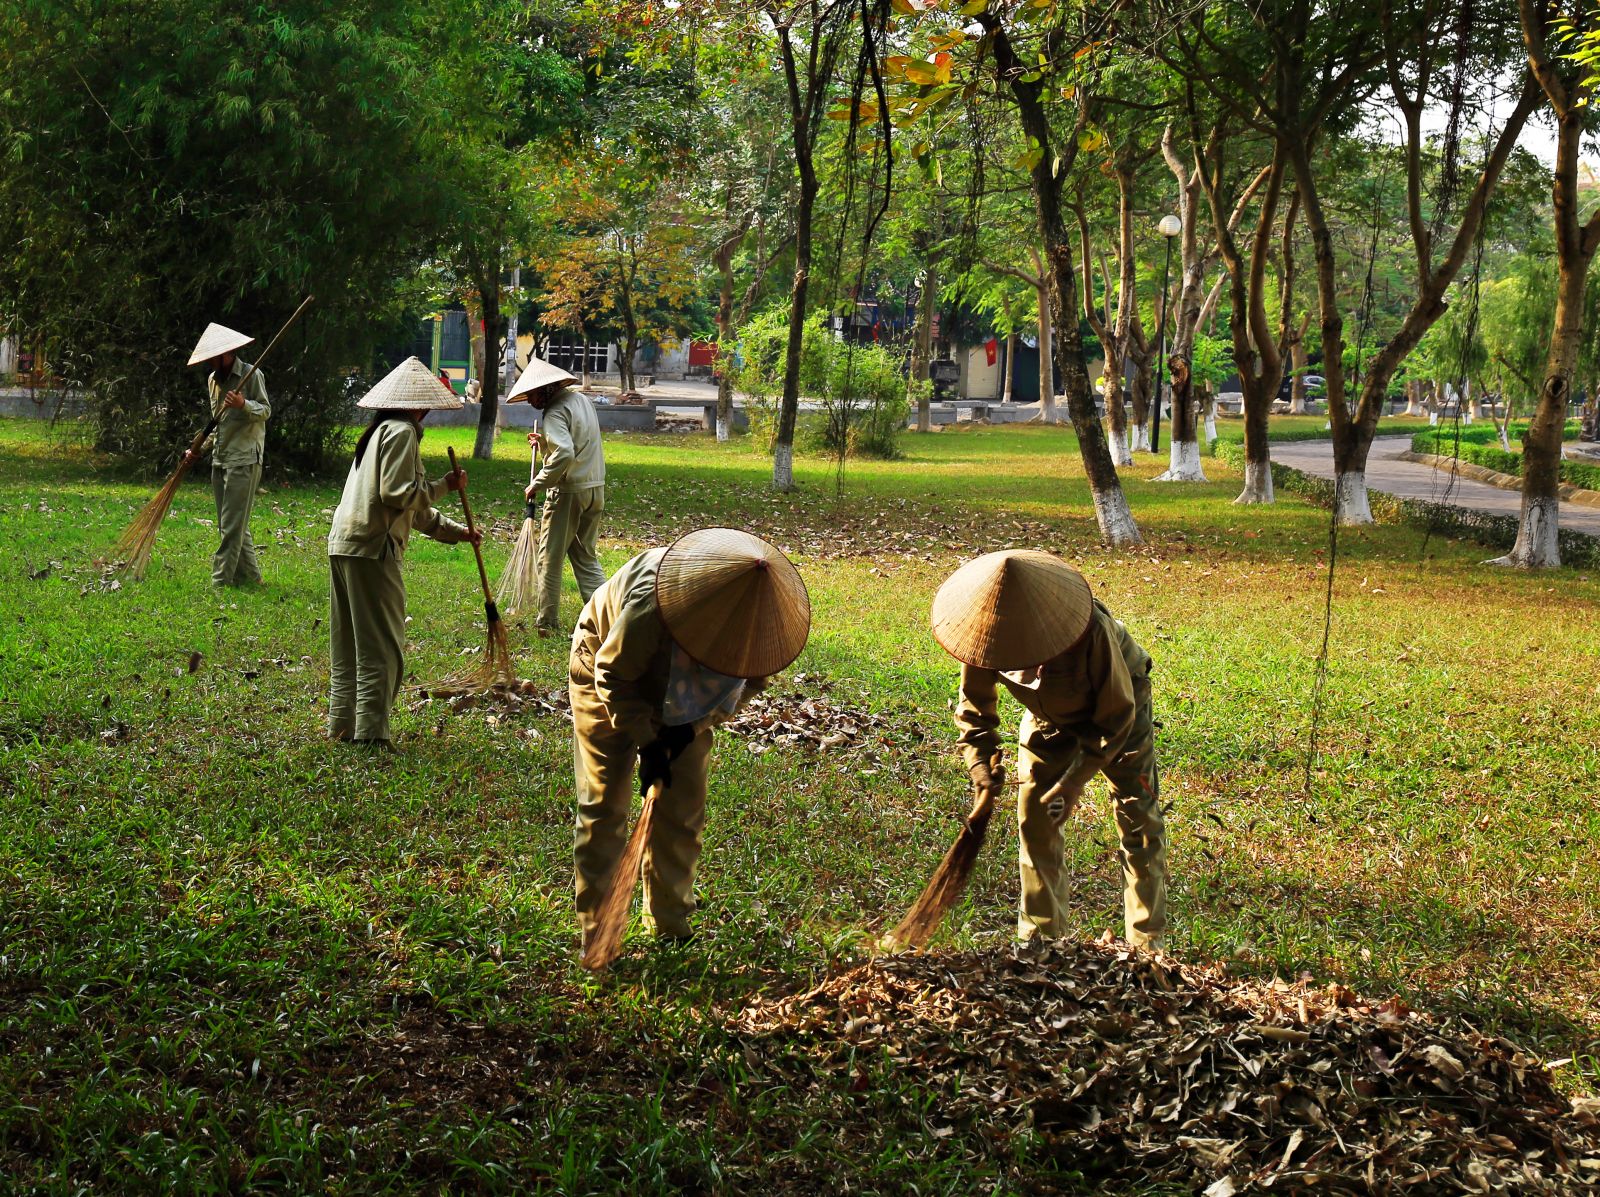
[(671, 646), (1026, 620), (238, 449), (386, 495), (573, 479)]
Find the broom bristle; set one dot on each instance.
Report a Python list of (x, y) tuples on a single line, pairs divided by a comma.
[(139, 537), (493, 668), (944, 889), (611, 920), (519, 585)]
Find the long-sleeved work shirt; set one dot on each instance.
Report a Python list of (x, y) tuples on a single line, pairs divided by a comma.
[(1087, 691), (621, 650), (570, 435), (241, 436), (386, 494)]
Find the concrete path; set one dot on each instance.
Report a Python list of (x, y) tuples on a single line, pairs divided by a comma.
[(1411, 480)]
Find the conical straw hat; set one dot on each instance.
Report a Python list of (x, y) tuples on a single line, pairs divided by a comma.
[(733, 602), (539, 373), (410, 386), (1011, 610), (215, 341)]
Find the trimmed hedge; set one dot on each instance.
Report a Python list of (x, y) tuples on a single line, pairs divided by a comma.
[(1481, 446), (1496, 531)]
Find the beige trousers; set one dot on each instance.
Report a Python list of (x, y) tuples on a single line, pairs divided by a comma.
[(1047, 754), (569, 530), (367, 634), (234, 488), (603, 761)]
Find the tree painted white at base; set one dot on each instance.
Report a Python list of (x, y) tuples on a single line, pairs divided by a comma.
[(1183, 464), (1350, 494), (1115, 520), (1257, 483), (1120, 456), (783, 468), (1414, 406), (723, 429), (1538, 542), (1211, 424), (1140, 434)]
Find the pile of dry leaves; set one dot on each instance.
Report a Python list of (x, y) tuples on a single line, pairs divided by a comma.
[(1161, 1072), (811, 717)]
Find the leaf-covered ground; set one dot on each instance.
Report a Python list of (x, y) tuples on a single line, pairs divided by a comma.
[(233, 955)]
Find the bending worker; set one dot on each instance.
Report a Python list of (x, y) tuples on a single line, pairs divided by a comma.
[(573, 479), (1025, 620), (386, 495), (238, 449), (670, 647)]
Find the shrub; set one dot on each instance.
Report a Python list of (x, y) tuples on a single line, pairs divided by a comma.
[(860, 387)]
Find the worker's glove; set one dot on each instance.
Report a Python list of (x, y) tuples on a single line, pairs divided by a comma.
[(656, 757)]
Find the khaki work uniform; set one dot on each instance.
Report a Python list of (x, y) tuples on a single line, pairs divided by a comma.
[(573, 478), (618, 676), (1087, 712), (238, 450), (385, 496)]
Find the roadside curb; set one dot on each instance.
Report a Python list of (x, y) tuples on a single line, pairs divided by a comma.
[(1478, 473)]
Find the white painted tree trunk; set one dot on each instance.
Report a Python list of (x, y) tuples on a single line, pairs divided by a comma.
[(783, 468), (1183, 464), (1433, 419), (1141, 437), (1350, 493), (1505, 440), (1538, 541), (1257, 483), (1211, 418), (1297, 403), (1120, 456), (1115, 519), (1465, 401), (723, 426)]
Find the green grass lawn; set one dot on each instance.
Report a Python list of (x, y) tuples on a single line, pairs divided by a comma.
[(234, 955)]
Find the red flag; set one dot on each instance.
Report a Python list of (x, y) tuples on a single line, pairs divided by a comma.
[(991, 350)]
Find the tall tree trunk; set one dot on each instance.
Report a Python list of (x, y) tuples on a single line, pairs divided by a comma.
[(1047, 374), (1299, 364), (488, 380), (1011, 350), (1116, 409), (1112, 513), (722, 257), (921, 350), (1183, 460), (1142, 353), (1538, 543)]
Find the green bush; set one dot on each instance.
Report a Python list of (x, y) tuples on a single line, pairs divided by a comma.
[(861, 388), (1480, 445)]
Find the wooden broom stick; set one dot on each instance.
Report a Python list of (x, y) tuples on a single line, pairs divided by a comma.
[(611, 920)]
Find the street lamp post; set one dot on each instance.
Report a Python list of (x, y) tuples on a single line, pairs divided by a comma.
[(1169, 227)]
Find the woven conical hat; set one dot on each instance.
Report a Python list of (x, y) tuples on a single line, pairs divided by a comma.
[(215, 341), (410, 386), (1011, 610), (733, 602), (539, 373)]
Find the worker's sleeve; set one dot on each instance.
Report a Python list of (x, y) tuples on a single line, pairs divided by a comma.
[(255, 398), (1114, 709), (556, 439), (978, 715), (622, 659)]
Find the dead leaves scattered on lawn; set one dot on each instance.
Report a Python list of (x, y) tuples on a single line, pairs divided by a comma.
[(1163, 1072)]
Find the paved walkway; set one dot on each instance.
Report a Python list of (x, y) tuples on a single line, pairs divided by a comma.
[(1411, 480)]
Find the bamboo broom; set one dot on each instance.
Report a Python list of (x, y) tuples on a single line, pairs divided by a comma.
[(134, 545), (494, 668), (519, 585), (611, 920), (950, 879)]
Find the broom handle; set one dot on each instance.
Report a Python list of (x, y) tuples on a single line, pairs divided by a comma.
[(488, 598), (533, 472), (194, 445)]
